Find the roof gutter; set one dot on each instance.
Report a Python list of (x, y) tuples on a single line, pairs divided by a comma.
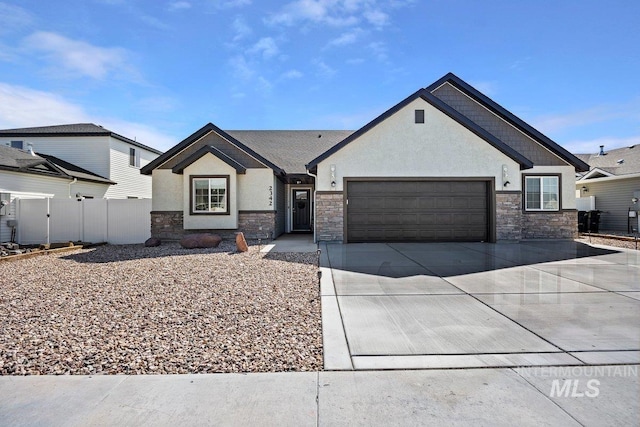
[(315, 204), (70, 184)]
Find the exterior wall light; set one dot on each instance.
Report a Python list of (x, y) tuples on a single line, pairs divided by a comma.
[(505, 175), (585, 189), (333, 175)]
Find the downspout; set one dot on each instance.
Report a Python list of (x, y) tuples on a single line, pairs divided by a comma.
[(315, 204), (70, 184)]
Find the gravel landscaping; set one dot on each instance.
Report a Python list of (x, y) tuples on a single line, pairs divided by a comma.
[(136, 310), (608, 241)]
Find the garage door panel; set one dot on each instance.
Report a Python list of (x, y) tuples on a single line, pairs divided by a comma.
[(417, 211)]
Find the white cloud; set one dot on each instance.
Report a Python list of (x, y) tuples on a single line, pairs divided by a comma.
[(13, 18), (324, 70), (241, 67), (266, 46), (347, 38), (292, 74), (593, 145), (79, 58), (25, 107), (154, 22), (330, 12), (559, 122), (379, 50), (179, 5), (230, 4), (377, 18), (241, 29)]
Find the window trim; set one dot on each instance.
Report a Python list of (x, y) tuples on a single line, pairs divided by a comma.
[(134, 154), (191, 195), (524, 192)]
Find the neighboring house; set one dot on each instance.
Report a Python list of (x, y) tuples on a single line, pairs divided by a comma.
[(93, 148), (445, 164), (28, 175), (614, 182)]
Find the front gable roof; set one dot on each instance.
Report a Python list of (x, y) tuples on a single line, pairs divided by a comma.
[(510, 118), (197, 135), (444, 108), (179, 168)]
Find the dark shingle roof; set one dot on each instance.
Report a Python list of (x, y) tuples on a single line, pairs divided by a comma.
[(76, 129), (75, 171), (290, 149), (630, 157), (15, 160)]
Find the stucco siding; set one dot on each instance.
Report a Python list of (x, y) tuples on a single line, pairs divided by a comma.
[(398, 147), (256, 190), (167, 190), (613, 199), (210, 165)]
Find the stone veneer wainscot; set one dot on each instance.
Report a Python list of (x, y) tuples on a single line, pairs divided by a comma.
[(168, 225), (329, 215)]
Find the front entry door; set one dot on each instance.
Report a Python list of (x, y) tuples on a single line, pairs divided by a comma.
[(301, 210)]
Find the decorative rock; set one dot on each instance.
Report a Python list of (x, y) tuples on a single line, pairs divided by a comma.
[(204, 240), (152, 242), (241, 243)]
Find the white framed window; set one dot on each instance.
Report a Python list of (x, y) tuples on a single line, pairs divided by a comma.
[(134, 157), (542, 193), (210, 194)]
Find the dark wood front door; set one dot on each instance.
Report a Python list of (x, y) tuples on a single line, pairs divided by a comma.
[(301, 210)]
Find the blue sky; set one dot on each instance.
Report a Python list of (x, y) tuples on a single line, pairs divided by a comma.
[(157, 70)]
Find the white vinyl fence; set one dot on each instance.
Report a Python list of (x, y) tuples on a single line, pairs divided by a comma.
[(115, 221)]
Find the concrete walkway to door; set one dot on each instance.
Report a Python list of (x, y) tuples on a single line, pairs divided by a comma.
[(463, 305)]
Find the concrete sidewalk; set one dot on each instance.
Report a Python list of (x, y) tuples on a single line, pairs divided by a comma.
[(525, 396)]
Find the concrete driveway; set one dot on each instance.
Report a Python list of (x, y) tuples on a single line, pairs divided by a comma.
[(459, 305)]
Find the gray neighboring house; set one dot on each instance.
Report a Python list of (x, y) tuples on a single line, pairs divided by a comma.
[(613, 181), (28, 175), (92, 148), (445, 164)]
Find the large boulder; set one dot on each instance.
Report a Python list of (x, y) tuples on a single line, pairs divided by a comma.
[(203, 240), (241, 243), (152, 242)]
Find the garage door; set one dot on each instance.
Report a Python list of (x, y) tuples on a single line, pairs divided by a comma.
[(424, 211)]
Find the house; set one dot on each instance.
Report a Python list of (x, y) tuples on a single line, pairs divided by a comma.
[(93, 148), (445, 164), (612, 186), (27, 175)]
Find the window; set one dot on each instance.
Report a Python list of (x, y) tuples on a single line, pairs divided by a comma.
[(542, 193), (134, 158), (419, 116), (17, 144), (209, 195)]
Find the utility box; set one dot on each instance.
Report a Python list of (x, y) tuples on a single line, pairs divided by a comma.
[(5, 200)]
